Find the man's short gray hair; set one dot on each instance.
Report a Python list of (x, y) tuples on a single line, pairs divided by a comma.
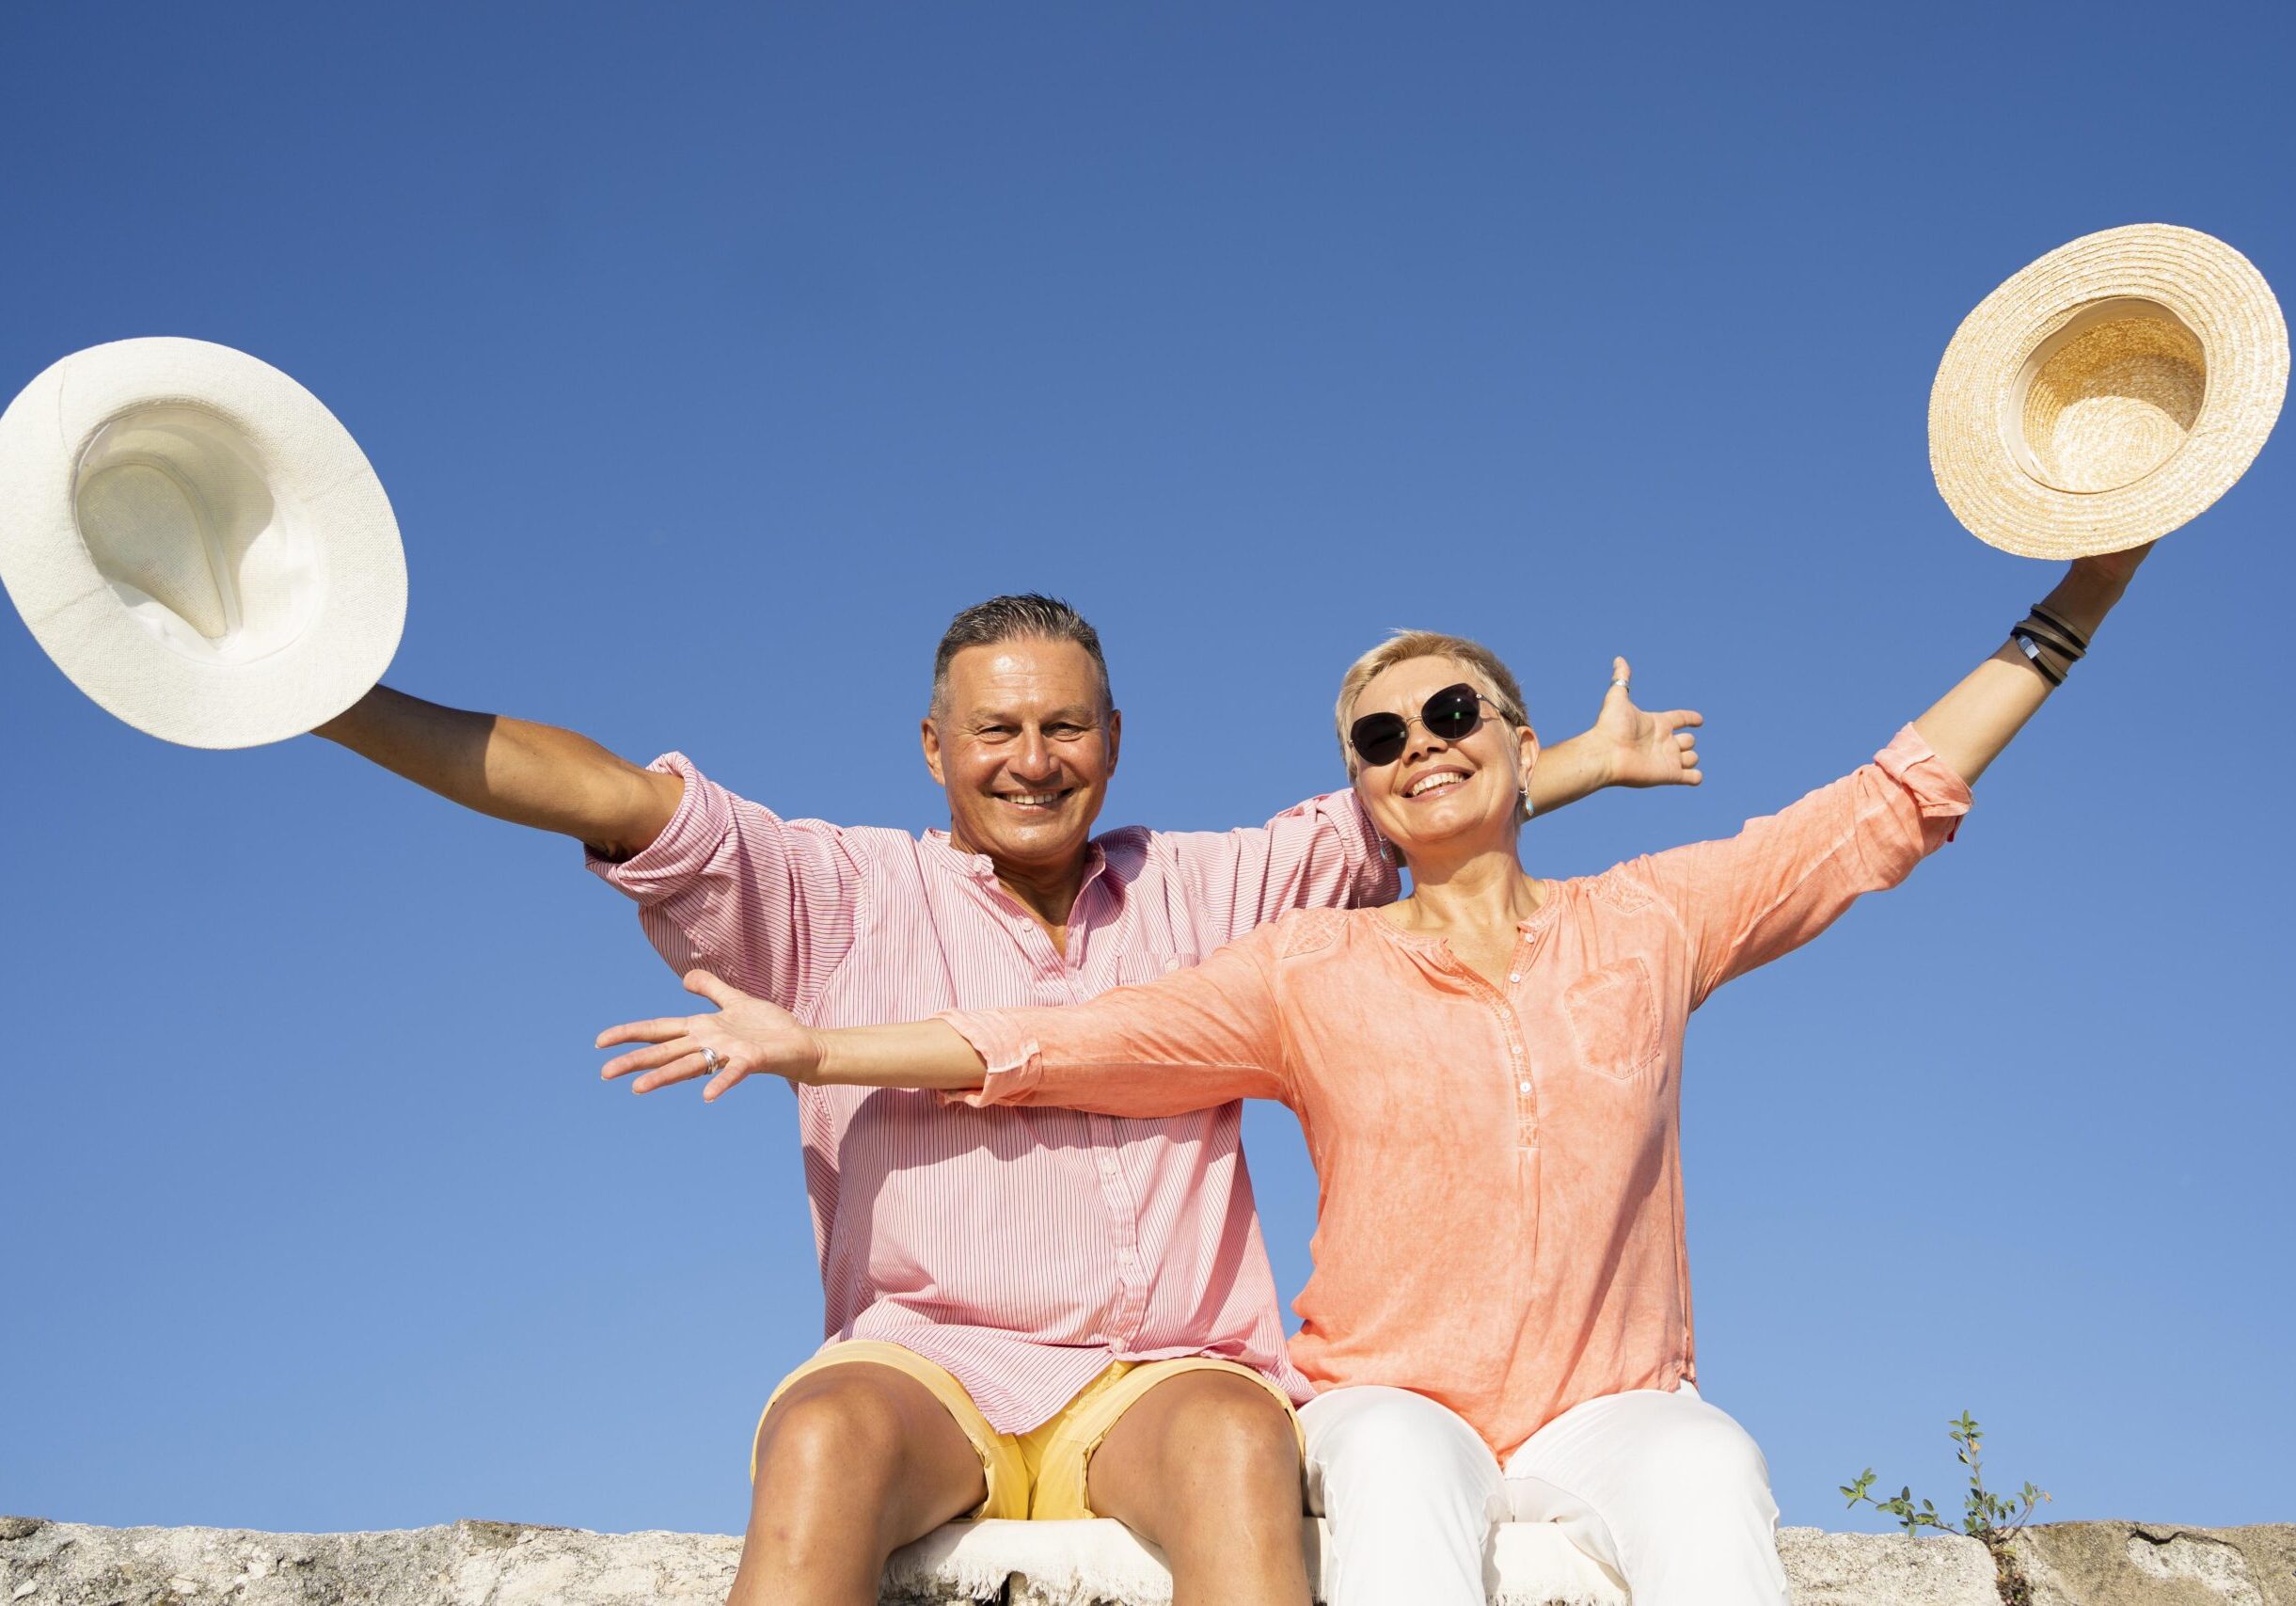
[(1027, 616)]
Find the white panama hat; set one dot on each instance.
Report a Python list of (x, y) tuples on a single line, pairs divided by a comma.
[(2108, 392), (197, 542)]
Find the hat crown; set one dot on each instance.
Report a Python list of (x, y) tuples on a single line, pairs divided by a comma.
[(2110, 397), (182, 521), (144, 530)]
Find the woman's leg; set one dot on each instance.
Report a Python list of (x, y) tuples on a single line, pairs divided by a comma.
[(1665, 1490), (1410, 1495)]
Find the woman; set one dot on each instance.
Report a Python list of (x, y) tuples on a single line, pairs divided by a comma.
[(1498, 1321)]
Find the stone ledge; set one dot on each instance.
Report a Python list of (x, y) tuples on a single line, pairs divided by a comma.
[(1049, 1564), (2159, 1564)]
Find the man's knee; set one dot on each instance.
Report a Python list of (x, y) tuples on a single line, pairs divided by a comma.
[(1234, 1436), (832, 1430)]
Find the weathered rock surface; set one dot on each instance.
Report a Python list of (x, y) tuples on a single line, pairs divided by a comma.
[(1045, 1564), (2152, 1564)]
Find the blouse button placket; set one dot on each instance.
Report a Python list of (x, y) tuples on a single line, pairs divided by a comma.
[(1518, 1055)]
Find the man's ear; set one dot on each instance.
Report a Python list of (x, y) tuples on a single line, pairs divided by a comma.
[(1115, 737), (930, 735)]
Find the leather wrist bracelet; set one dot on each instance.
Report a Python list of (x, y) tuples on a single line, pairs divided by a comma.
[(2080, 642), (2051, 638), (2037, 652)]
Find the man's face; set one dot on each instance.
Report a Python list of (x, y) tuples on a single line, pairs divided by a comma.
[(1025, 749)]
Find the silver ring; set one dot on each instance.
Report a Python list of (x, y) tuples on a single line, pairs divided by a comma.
[(1622, 685), (711, 1063)]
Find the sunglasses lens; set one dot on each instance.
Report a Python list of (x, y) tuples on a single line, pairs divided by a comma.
[(1452, 712), (1379, 738)]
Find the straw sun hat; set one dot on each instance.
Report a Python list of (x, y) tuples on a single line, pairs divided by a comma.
[(2108, 392), (197, 541)]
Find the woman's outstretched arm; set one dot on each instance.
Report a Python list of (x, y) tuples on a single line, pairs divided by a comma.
[(1191, 1040), (750, 1037), (1970, 725)]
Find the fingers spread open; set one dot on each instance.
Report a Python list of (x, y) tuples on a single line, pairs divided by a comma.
[(660, 1030), (684, 1068), (650, 1058), (725, 1079)]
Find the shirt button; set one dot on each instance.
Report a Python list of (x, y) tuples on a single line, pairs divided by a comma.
[(1522, 1087), (1515, 975)]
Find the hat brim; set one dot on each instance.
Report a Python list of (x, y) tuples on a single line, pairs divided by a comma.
[(2220, 298), (310, 464)]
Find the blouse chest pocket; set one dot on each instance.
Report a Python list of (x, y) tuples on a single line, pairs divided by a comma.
[(1613, 1014)]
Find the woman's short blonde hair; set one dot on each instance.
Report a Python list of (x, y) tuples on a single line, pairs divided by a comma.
[(1483, 665)]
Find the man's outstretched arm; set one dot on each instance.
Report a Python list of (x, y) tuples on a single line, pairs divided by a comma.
[(1626, 746), (515, 769)]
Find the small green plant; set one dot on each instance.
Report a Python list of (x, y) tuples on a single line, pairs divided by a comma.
[(1990, 1519)]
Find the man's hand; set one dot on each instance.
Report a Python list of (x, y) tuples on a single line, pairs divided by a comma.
[(1645, 749), (746, 1035)]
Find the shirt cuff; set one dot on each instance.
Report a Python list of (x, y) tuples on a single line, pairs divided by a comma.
[(1928, 780), (703, 817), (1376, 877), (1014, 1062)]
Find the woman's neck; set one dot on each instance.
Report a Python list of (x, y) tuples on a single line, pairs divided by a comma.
[(1485, 892)]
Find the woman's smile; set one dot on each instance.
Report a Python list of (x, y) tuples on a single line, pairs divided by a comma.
[(1440, 781)]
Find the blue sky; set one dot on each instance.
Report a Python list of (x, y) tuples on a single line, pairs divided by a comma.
[(713, 356)]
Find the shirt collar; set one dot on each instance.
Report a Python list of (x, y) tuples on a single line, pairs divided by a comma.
[(981, 867)]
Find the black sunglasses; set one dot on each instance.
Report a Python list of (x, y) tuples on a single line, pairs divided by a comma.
[(1451, 715)]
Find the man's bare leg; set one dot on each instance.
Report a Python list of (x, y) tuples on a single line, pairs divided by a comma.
[(853, 1462), (1206, 1466)]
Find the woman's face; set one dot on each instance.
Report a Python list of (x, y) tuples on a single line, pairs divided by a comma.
[(1453, 797)]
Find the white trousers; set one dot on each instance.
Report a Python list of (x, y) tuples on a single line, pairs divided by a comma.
[(1668, 1493)]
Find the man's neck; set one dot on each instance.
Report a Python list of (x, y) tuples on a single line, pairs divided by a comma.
[(1048, 892)]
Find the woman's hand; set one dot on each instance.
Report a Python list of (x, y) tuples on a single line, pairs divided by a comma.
[(2108, 573), (1646, 749), (1971, 725), (748, 1035)]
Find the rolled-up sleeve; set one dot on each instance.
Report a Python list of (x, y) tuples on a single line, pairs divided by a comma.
[(1745, 901), (766, 903), (1193, 1040), (1319, 854)]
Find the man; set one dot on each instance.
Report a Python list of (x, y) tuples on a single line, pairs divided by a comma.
[(1035, 1312)]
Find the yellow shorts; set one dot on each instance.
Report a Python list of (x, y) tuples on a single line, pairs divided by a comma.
[(1039, 1473)]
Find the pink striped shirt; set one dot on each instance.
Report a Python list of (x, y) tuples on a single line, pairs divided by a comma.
[(1020, 1248)]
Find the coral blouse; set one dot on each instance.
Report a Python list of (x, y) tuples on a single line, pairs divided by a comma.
[(1500, 1218)]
